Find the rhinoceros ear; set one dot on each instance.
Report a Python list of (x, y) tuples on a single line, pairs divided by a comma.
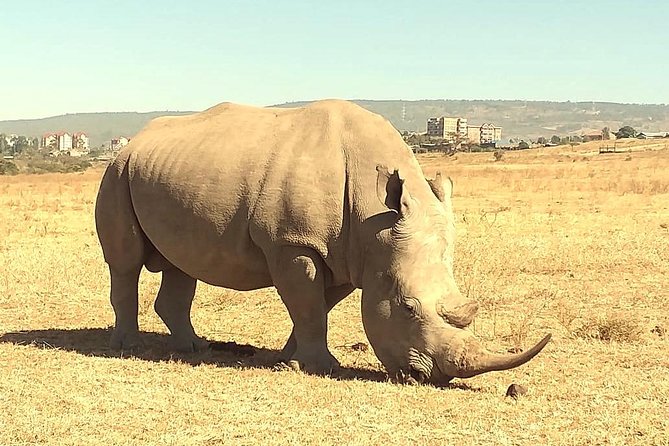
[(391, 191), (442, 188)]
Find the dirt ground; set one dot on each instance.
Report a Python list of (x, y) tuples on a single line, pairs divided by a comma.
[(561, 240)]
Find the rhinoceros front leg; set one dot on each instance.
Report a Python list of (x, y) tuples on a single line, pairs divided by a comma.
[(333, 296), (173, 305), (298, 275)]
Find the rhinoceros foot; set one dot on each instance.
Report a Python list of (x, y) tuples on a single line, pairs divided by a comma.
[(317, 364), (288, 349), (187, 344), (125, 340)]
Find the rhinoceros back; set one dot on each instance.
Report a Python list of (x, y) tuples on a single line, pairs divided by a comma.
[(215, 192)]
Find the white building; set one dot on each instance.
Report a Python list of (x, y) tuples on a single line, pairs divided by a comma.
[(119, 143), (80, 141), (64, 142), (49, 141), (446, 127), (484, 134)]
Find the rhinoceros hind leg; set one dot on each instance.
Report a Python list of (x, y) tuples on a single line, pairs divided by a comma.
[(173, 305), (298, 274), (333, 296), (124, 247), (124, 301)]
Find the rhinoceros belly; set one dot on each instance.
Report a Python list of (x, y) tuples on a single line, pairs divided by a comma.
[(202, 230)]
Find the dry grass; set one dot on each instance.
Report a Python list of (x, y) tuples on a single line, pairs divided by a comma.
[(567, 241), (611, 328)]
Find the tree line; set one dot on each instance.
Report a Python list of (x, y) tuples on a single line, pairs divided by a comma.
[(16, 144)]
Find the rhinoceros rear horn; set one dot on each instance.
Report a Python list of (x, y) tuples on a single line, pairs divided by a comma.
[(442, 189), (460, 316), (484, 361)]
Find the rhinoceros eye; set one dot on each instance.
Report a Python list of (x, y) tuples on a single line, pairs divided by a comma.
[(411, 305)]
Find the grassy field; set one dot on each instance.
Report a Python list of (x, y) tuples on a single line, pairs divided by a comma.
[(564, 240)]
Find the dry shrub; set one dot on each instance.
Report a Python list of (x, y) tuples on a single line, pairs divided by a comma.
[(8, 168), (613, 327), (533, 304), (566, 313)]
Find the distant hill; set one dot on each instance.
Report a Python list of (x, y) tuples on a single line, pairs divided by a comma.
[(100, 127), (523, 119)]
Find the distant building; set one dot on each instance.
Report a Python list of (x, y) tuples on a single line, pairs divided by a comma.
[(80, 142), (652, 135), (591, 135), (435, 127), (455, 127), (490, 133), (76, 153), (585, 135), (64, 142), (484, 134), (508, 143), (119, 143), (49, 141), (446, 127)]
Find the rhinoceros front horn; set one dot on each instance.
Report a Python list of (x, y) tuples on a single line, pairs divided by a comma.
[(483, 361)]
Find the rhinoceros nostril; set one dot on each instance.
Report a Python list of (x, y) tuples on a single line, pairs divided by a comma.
[(418, 375), (411, 375)]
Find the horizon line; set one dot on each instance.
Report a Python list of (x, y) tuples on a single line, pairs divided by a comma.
[(568, 101)]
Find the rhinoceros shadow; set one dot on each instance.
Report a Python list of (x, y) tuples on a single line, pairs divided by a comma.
[(94, 342)]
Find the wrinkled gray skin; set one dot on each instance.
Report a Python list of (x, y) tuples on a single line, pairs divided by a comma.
[(316, 201)]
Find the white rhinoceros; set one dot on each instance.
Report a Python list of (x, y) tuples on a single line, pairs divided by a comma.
[(316, 201)]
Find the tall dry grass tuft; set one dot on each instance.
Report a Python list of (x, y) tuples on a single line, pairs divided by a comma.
[(532, 306), (610, 327)]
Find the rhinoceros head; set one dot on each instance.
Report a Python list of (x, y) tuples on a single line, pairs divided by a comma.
[(413, 313)]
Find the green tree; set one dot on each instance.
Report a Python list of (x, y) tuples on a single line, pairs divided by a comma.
[(414, 139), (541, 140), (626, 132), (21, 144), (555, 139)]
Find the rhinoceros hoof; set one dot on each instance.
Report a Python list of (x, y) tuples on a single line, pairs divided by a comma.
[(125, 340), (316, 366), (187, 345)]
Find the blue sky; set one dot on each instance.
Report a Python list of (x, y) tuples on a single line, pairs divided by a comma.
[(84, 56)]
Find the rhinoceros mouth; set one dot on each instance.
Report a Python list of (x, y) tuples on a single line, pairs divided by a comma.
[(420, 368), (418, 373)]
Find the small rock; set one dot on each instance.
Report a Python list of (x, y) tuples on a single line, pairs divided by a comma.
[(659, 330), (516, 390)]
